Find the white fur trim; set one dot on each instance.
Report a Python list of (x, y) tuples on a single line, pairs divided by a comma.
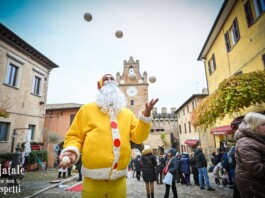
[(103, 173), (144, 118), (118, 173), (73, 149)]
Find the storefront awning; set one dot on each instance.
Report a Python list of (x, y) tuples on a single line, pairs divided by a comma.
[(191, 142), (222, 130)]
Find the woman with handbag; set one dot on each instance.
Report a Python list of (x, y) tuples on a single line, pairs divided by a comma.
[(149, 174), (173, 165)]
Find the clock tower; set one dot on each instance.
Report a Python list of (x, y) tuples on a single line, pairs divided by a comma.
[(133, 85)]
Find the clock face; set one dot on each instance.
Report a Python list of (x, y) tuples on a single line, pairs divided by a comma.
[(131, 91)]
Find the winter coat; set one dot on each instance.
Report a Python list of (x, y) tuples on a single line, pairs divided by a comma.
[(250, 162), (138, 164), (199, 158), (179, 162), (105, 138), (192, 162), (214, 159), (173, 167), (185, 163), (173, 163), (149, 163), (219, 157)]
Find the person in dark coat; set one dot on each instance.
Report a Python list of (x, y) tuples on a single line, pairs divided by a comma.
[(132, 167), (180, 177), (250, 156), (194, 170), (138, 167), (172, 168), (78, 168), (160, 166), (201, 164), (185, 167), (149, 174), (214, 158)]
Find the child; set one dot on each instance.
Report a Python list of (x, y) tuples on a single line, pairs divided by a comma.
[(216, 175)]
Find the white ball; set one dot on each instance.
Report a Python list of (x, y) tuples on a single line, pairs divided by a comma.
[(152, 79), (119, 34), (65, 160), (88, 17)]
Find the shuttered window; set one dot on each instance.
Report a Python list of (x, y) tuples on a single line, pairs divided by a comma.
[(248, 13), (212, 65), (227, 42), (236, 30), (259, 6), (232, 35)]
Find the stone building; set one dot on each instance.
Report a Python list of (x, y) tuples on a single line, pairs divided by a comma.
[(134, 85), (190, 137), (164, 132), (24, 76)]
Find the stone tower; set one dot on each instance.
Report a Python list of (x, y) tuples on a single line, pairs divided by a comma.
[(135, 88), (133, 85)]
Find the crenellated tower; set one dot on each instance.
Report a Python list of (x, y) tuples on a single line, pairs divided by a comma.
[(133, 85)]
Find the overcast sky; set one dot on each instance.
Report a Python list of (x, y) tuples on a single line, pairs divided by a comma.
[(166, 36)]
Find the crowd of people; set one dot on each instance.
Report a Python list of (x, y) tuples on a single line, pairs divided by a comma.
[(239, 166), (181, 166)]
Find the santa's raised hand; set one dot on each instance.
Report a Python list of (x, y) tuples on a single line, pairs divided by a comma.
[(149, 107)]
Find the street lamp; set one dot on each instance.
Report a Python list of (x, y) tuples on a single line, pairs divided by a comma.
[(14, 136)]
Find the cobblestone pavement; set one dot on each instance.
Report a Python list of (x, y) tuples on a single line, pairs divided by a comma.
[(37, 184), (136, 189)]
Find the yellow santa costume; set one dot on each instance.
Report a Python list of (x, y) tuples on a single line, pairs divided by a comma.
[(104, 140)]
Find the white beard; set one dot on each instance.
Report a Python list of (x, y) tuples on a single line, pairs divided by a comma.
[(110, 99)]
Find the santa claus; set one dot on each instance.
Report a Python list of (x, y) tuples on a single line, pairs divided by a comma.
[(102, 132)]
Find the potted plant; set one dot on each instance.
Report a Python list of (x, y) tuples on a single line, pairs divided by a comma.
[(32, 161)]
